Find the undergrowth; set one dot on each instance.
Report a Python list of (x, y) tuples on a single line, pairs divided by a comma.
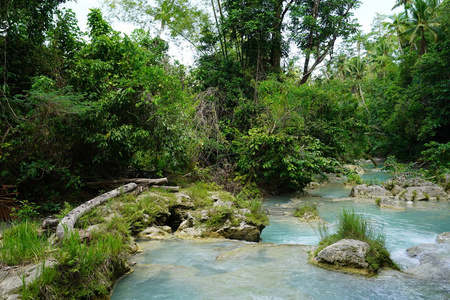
[(22, 243), (83, 271)]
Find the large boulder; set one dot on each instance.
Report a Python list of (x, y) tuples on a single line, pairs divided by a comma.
[(434, 259), (345, 253), (368, 191)]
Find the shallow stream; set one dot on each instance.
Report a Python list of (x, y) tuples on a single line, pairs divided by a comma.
[(277, 267)]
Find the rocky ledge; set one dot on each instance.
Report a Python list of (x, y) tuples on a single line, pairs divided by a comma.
[(223, 220), (399, 193)]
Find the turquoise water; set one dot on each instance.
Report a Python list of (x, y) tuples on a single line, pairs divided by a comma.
[(277, 267)]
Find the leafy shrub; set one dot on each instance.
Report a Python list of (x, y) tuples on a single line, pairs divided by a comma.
[(27, 211), (352, 177)]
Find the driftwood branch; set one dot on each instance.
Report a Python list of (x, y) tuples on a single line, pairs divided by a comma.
[(68, 222), (127, 180), (167, 188)]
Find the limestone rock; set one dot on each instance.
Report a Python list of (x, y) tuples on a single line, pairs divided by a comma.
[(396, 190), (184, 200), (370, 191), (12, 278), (443, 238), (391, 203), (434, 259), (357, 169), (50, 223), (219, 202), (313, 185), (244, 232), (156, 232), (195, 225), (420, 193), (346, 253)]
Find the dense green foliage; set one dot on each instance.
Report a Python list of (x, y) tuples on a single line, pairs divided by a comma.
[(77, 108)]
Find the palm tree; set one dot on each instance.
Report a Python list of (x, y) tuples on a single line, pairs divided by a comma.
[(423, 22), (356, 68), (405, 3), (398, 24)]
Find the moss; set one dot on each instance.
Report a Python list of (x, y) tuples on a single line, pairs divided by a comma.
[(258, 219), (378, 201)]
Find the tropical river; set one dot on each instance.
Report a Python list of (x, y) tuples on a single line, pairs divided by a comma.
[(277, 267)]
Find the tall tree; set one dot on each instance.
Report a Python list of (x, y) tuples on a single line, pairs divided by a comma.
[(316, 25), (179, 18)]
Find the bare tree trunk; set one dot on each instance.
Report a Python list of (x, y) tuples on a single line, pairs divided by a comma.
[(127, 180), (68, 222)]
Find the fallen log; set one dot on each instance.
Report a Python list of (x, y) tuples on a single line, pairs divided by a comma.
[(147, 181), (68, 222), (167, 188)]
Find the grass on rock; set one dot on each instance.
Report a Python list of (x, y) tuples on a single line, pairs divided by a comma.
[(356, 227)]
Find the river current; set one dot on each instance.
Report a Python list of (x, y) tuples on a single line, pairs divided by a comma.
[(277, 267)]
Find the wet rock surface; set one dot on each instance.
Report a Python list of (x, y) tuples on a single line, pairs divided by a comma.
[(434, 259), (345, 253)]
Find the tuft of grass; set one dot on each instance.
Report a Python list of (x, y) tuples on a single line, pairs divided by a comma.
[(84, 271), (308, 210), (354, 226), (378, 201), (23, 243), (199, 193)]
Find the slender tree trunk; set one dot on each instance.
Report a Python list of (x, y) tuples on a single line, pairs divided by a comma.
[(306, 70), (276, 37), (222, 32), (423, 43), (219, 31), (399, 42)]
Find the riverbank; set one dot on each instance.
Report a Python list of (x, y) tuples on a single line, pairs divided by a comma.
[(87, 263)]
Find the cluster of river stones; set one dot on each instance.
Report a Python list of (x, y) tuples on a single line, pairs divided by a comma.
[(399, 194)]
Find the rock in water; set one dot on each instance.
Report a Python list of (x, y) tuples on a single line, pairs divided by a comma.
[(434, 259), (345, 253), (370, 191)]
